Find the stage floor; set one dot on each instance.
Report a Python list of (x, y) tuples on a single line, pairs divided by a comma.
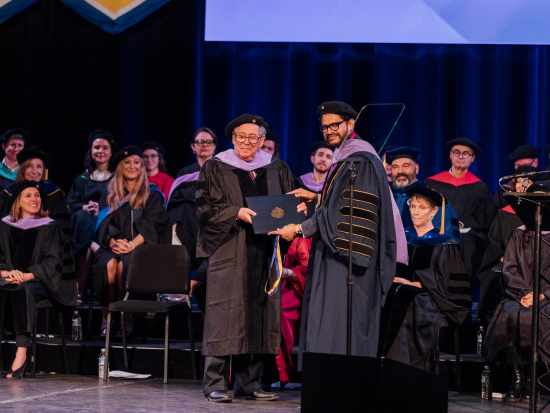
[(60, 393)]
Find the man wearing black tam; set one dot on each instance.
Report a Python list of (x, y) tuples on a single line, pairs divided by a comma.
[(523, 155), (242, 322), (378, 242), (471, 199)]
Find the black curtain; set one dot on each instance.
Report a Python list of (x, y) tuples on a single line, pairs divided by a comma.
[(62, 77)]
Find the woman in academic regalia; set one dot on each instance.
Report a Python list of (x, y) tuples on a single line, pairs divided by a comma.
[(34, 167), (510, 327), (203, 147), (154, 157), (491, 267), (31, 265), (13, 142), (181, 205), (131, 213), (432, 290), (84, 196)]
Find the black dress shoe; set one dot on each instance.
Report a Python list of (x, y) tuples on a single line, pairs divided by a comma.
[(219, 397), (258, 395), (517, 388), (17, 374), (526, 396)]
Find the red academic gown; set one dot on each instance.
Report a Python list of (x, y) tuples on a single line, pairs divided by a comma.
[(292, 295), (163, 182)]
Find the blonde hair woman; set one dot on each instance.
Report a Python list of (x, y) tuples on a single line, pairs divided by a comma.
[(131, 214), (31, 273)]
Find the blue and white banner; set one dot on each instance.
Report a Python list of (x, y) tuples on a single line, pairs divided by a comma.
[(9, 8), (114, 16)]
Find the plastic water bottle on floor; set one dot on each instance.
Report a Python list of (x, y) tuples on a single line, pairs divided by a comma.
[(485, 383), (77, 327), (480, 342), (101, 363)]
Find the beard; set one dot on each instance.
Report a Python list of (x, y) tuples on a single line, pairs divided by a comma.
[(402, 183), (322, 168)]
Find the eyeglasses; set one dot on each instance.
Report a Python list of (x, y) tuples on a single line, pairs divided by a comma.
[(145, 157), (252, 139), (207, 142), (464, 154), (332, 126)]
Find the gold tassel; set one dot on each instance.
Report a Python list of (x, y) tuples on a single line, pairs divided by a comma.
[(46, 175), (442, 231)]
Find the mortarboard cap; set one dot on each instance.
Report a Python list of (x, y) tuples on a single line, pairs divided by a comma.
[(155, 146), (102, 134), (34, 153), (20, 186), (464, 142), (241, 120), (523, 152), (271, 135), (126, 152), (403, 152), (336, 107), (16, 133)]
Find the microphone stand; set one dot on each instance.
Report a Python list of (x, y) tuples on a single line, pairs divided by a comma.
[(350, 266)]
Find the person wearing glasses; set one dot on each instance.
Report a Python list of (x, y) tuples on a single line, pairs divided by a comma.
[(242, 323), (155, 165), (378, 242), (471, 199), (203, 146)]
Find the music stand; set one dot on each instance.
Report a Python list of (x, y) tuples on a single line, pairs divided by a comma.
[(534, 211)]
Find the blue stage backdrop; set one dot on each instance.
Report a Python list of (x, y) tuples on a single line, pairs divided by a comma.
[(62, 77)]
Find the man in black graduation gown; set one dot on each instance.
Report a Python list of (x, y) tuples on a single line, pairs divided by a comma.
[(471, 199), (490, 270), (376, 246), (523, 155), (242, 322)]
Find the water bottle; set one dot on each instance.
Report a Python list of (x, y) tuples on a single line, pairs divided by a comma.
[(485, 383), (480, 342), (77, 327), (101, 363)]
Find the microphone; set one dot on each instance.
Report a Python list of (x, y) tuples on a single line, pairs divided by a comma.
[(526, 174)]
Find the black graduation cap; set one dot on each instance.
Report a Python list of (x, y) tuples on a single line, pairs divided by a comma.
[(241, 120), (381, 151), (336, 107), (541, 186), (155, 146), (20, 186), (33, 153), (321, 144), (464, 142), (271, 135), (523, 152), (102, 134), (16, 133), (403, 152), (126, 152), (431, 195)]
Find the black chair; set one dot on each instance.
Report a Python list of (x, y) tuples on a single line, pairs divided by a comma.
[(454, 328), (47, 304), (155, 269)]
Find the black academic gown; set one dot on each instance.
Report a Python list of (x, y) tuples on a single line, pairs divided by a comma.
[(38, 251), (240, 317), (324, 311), (490, 270), (149, 222), (84, 190), (473, 204), (181, 207), (189, 169), (517, 277), (417, 314)]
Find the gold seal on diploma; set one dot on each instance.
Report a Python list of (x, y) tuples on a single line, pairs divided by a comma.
[(277, 213)]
